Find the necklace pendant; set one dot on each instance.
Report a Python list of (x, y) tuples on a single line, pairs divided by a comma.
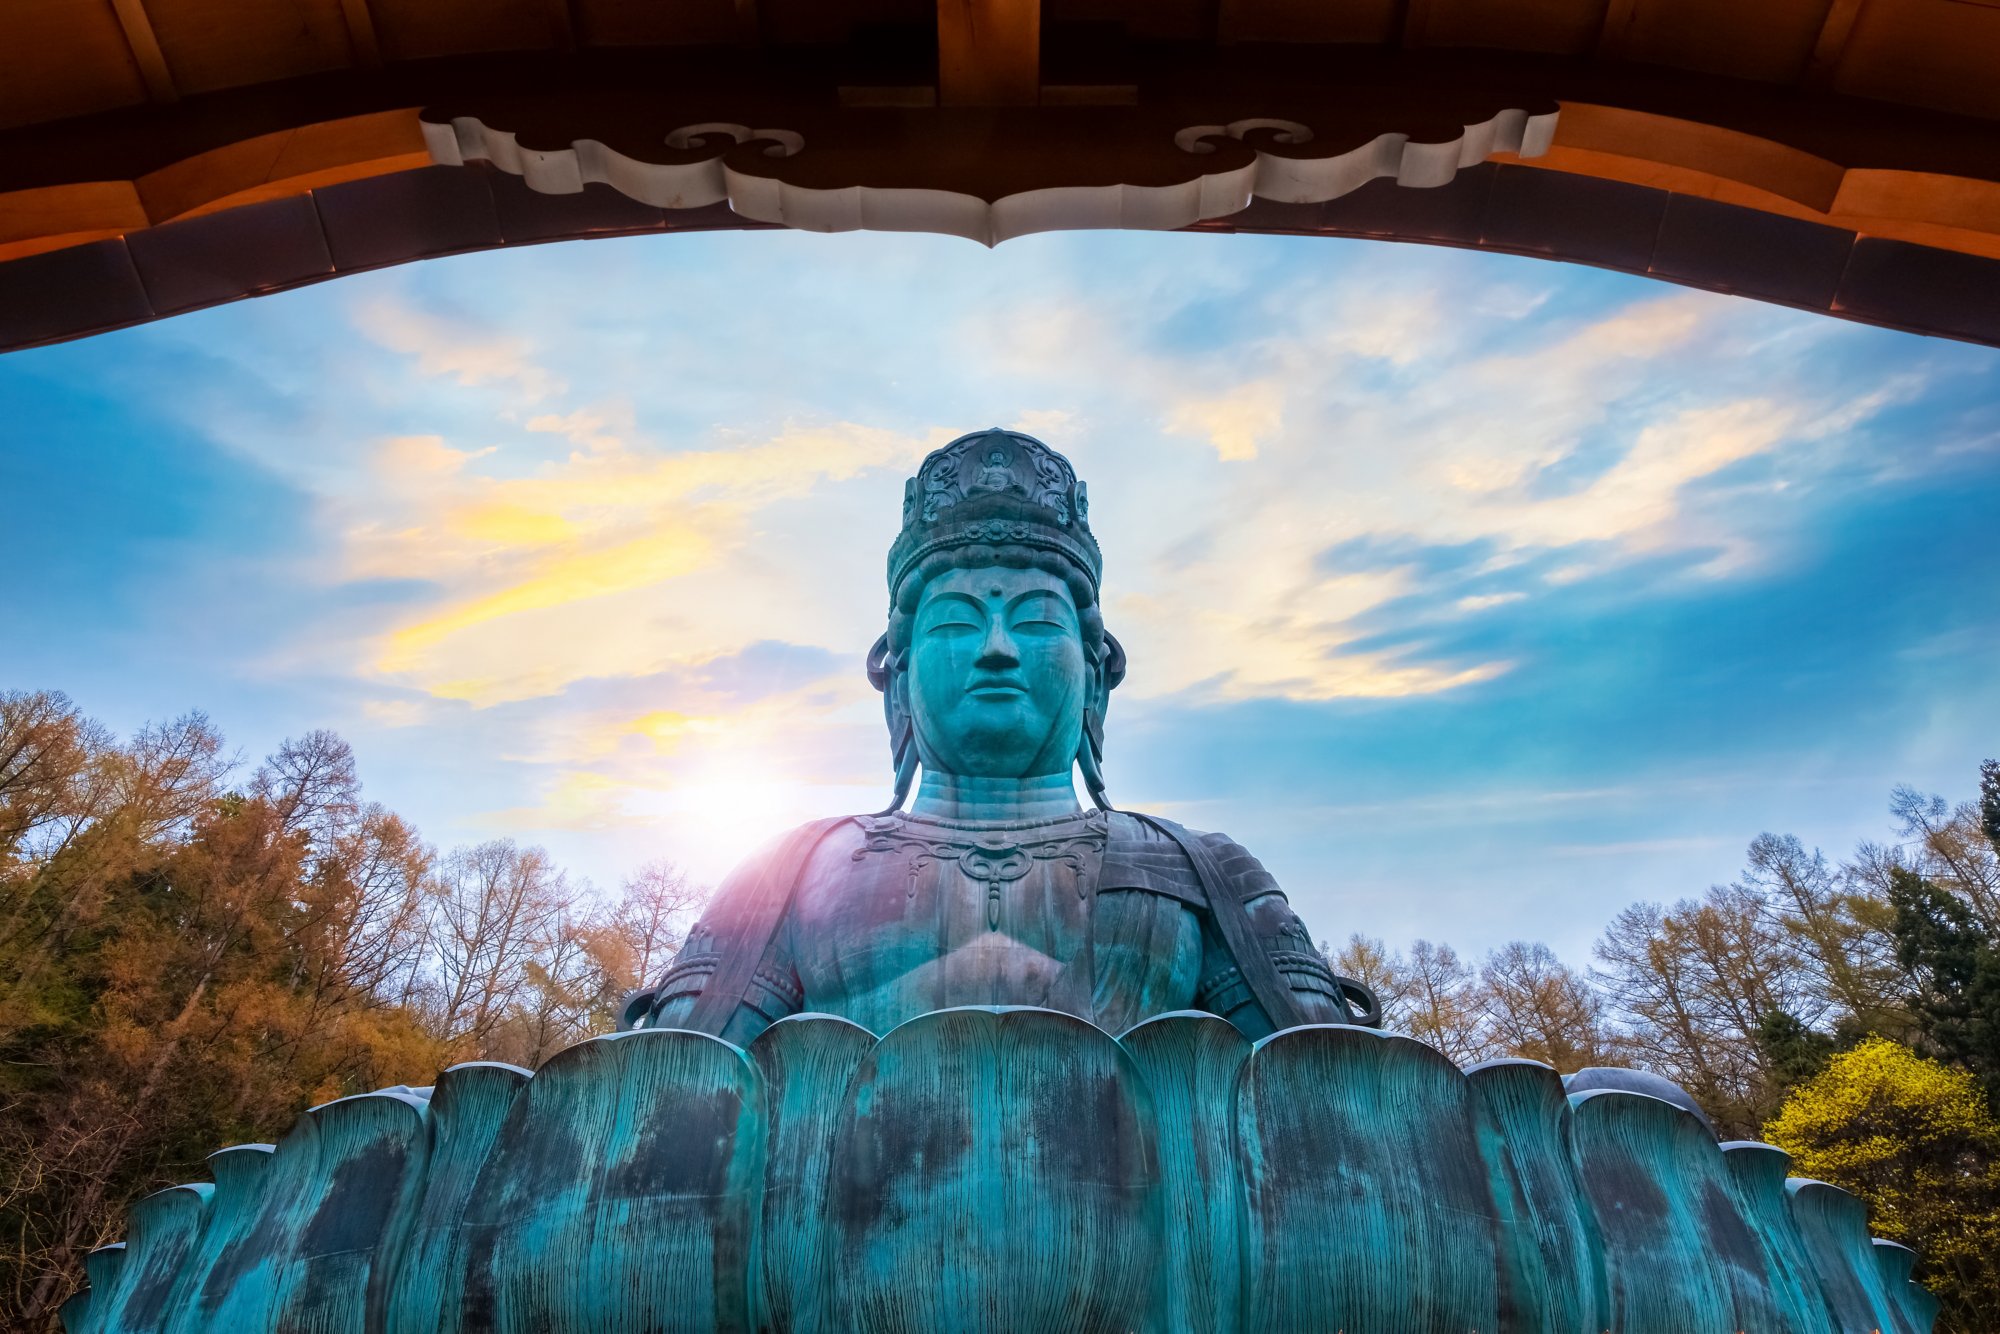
[(993, 905)]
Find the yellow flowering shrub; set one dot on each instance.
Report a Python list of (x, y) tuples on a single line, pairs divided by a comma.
[(1917, 1141)]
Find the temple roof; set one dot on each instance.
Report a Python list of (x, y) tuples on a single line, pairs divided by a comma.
[(1839, 155)]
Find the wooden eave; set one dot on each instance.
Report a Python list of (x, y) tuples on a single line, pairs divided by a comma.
[(157, 155)]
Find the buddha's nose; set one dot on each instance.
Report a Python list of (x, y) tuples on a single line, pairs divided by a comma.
[(998, 652)]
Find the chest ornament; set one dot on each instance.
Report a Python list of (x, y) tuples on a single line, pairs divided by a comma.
[(993, 858)]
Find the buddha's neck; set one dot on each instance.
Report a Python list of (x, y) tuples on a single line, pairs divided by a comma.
[(957, 797)]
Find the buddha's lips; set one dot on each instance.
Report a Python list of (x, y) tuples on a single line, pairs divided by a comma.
[(997, 685)]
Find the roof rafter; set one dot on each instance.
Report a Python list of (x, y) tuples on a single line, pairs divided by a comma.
[(152, 62), (989, 52), (361, 32), (1614, 34), (1834, 30), (562, 24)]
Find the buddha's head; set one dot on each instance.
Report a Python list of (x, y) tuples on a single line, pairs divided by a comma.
[(996, 663)]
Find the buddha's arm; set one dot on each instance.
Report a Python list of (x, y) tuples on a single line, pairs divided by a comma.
[(772, 993), (769, 998), (1278, 931)]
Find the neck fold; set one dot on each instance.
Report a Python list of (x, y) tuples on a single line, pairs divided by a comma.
[(957, 797)]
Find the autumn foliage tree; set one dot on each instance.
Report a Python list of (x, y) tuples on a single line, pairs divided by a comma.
[(188, 961)]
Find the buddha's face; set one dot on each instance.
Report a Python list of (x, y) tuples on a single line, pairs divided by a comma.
[(997, 674)]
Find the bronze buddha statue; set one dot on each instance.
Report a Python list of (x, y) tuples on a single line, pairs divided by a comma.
[(996, 887)]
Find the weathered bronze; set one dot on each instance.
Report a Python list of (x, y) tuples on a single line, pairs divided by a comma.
[(995, 887)]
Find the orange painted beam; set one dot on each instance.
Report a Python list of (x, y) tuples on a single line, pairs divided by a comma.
[(989, 52)]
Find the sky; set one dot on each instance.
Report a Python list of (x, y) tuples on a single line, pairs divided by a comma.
[(1479, 596)]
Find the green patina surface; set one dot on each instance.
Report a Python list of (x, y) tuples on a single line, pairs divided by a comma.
[(1003, 1168)]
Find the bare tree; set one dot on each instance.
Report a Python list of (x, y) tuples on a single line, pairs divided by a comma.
[(1690, 988), (1948, 846), (1441, 1005), (47, 750), (1538, 1007), (1836, 932), (656, 905), (365, 906), (495, 909), (310, 781), (560, 996), (173, 771)]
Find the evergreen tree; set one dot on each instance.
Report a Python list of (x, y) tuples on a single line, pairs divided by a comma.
[(1955, 966), (1792, 1052)]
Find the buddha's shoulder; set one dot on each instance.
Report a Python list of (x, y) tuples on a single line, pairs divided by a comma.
[(811, 844), (1139, 853)]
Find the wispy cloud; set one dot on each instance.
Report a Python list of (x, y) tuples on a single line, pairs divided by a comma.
[(457, 349), (1234, 421), (620, 558)]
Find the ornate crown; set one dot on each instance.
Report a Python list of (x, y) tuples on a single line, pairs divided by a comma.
[(995, 488)]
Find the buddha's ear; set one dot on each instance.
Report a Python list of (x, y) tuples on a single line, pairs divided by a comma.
[(1105, 674), (886, 673), (879, 666)]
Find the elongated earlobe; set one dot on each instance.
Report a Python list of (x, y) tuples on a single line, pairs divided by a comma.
[(906, 772), (886, 673), (1105, 671), (1090, 759)]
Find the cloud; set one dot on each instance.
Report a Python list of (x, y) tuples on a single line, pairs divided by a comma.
[(586, 427), (397, 712), (616, 560), (460, 350), (702, 764), (420, 461), (1050, 422), (1555, 452), (1233, 421), (1364, 408), (1638, 499)]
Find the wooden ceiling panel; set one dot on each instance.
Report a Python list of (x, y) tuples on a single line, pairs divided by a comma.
[(1564, 27), (1156, 20), (211, 44), (63, 58), (1369, 21), (791, 21), (1933, 53), (422, 29), (663, 22), (1771, 40)]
